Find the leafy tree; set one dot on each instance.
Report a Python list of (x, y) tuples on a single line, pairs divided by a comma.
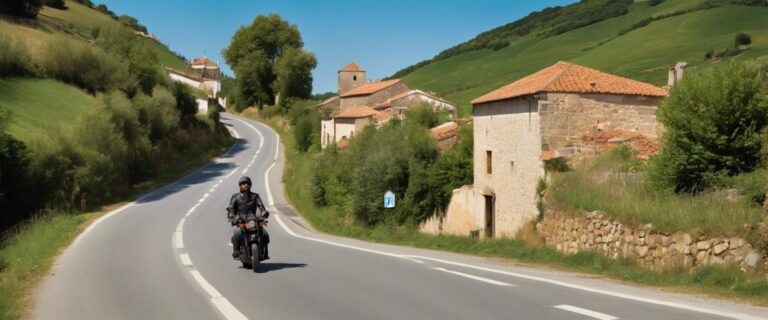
[(185, 101), (267, 58), (715, 121), (742, 39), (21, 8), (132, 23), (58, 4), (423, 114), (294, 73)]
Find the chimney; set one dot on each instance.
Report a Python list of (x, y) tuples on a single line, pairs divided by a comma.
[(676, 73)]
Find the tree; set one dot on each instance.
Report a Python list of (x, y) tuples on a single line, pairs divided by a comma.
[(294, 73), (132, 23), (742, 39), (58, 4), (267, 58), (715, 124), (21, 8)]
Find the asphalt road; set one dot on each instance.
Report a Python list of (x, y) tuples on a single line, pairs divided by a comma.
[(166, 256)]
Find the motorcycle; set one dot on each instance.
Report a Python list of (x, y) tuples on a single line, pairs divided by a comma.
[(252, 250)]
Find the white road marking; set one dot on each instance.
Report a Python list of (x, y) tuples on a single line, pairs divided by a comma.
[(626, 296), (586, 312), (229, 244), (473, 277), (180, 227), (269, 191), (185, 260), (204, 283), (227, 309), (178, 240)]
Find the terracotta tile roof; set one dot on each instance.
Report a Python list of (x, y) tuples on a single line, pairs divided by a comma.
[(399, 96), (567, 77), (357, 112), (204, 61), (342, 144), (382, 116), (352, 67), (329, 100), (369, 88), (444, 131)]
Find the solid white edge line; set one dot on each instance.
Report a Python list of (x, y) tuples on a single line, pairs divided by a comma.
[(178, 240), (734, 315), (185, 260), (586, 312), (473, 277), (180, 226), (266, 179), (227, 309), (205, 285)]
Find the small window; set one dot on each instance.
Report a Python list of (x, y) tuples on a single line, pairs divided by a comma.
[(354, 78), (488, 162)]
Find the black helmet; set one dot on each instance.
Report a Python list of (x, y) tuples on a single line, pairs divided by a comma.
[(245, 180)]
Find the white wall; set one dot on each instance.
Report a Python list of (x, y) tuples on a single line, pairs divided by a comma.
[(184, 79), (202, 106)]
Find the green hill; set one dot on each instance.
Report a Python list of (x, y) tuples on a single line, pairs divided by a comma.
[(29, 98), (641, 44)]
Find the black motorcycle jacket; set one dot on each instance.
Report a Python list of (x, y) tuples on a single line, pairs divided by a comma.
[(246, 205)]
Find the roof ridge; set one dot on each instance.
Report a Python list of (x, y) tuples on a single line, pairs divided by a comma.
[(559, 76)]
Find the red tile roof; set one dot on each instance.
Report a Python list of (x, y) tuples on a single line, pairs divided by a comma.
[(382, 116), (571, 78), (369, 88), (444, 131), (204, 61), (357, 112), (352, 67), (342, 144)]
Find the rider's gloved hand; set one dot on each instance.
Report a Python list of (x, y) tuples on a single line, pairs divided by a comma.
[(266, 215)]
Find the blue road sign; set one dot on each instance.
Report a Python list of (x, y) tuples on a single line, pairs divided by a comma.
[(389, 200)]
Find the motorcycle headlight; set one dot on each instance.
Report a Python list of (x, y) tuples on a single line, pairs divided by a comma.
[(252, 224)]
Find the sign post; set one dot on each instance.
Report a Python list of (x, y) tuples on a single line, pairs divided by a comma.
[(389, 200)]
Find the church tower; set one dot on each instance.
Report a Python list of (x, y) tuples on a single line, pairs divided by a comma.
[(350, 77)]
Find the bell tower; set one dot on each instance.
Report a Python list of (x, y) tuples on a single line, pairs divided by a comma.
[(350, 77)]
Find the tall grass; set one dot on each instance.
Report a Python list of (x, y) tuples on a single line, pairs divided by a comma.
[(14, 57), (615, 183)]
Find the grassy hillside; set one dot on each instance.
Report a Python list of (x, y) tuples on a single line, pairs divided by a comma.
[(40, 103), (644, 53)]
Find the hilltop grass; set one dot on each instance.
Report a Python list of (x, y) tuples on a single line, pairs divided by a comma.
[(644, 54), (39, 104), (712, 281), (28, 252)]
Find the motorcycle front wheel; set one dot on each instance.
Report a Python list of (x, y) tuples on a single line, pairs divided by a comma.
[(255, 253)]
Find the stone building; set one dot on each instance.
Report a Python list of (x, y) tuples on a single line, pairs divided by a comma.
[(544, 115), (381, 100), (201, 73)]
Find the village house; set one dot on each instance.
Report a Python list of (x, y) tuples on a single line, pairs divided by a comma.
[(201, 73), (556, 112), (362, 103)]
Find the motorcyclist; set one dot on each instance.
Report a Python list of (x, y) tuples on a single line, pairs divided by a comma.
[(246, 205)]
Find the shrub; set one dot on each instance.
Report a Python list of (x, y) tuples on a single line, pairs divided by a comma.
[(20, 8), (15, 187), (307, 130), (710, 53), (742, 39), (58, 4), (185, 101), (423, 115), (14, 57), (654, 3), (714, 123), (82, 65)]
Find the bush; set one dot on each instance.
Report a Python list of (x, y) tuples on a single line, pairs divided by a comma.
[(15, 57), (15, 187), (654, 3), (20, 8), (58, 4), (423, 115), (742, 39), (714, 123), (186, 103), (710, 53), (82, 65)]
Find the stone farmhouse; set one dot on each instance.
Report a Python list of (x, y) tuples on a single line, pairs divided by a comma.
[(362, 103), (201, 73), (551, 113)]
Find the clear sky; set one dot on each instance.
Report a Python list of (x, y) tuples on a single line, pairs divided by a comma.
[(381, 36)]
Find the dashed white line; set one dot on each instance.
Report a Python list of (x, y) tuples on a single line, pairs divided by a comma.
[(185, 260), (586, 312), (180, 227), (473, 277)]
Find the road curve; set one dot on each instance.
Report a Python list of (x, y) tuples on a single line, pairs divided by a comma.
[(166, 256)]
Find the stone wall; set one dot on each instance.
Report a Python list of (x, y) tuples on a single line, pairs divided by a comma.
[(567, 118), (462, 216), (596, 232)]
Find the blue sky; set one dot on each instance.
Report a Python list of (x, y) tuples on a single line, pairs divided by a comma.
[(380, 36)]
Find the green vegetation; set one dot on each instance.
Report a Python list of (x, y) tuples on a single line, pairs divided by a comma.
[(644, 53), (299, 169), (715, 123), (269, 61)]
